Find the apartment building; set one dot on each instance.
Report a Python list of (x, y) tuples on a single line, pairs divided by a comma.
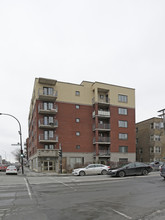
[(91, 122), (150, 143)]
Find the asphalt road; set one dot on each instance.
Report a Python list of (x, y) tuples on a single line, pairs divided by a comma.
[(83, 198)]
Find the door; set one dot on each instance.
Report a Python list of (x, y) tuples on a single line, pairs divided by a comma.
[(48, 166)]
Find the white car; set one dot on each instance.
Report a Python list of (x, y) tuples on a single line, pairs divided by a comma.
[(11, 170), (91, 169)]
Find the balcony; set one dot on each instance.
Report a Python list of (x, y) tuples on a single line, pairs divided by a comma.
[(48, 125), (47, 96), (101, 140), (43, 110), (103, 153), (104, 101), (102, 114), (47, 139), (47, 153), (102, 127)]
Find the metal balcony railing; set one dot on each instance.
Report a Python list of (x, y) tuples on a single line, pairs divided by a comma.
[(99, 100), (47, 95), (48, 124), (101, 113), (101, 127), (45, 109), (45, 138), (102, 140)]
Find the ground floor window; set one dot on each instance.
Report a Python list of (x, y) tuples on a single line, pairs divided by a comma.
[(75, 161)]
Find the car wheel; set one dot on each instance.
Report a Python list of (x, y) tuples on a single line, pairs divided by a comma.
[(121, 174), (104, 172), (82, 173), (145, 172)]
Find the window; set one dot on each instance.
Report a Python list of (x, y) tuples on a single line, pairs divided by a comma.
[(77, 106), (157, 149), (137, 130), (123, 124), (77, 146), (156, 138), (123, 98), (49, 146), (48, 105), (77, 133), (76, 161), (122, 111), (101, 96), (123, 136), (77, 120), (48, 120), (77, 93), (140, 150), (48, 135), (123, 149), (48, 91)]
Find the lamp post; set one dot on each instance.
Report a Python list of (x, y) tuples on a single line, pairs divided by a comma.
[(20, 133)]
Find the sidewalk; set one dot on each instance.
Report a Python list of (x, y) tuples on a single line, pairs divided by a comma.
[(28, 172)]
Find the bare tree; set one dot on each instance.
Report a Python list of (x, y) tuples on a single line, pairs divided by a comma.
[(17, 154)]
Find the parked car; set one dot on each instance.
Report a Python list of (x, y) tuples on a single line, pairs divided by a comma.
[(156, 165), (3, 167), (162, 170), (11, 170), (91, 169), (135, 168)]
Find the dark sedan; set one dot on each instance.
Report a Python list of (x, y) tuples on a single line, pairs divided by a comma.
[(131, 169)]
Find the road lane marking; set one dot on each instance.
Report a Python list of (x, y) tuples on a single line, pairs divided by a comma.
[(28, 189), (120, 213), (66, 185)]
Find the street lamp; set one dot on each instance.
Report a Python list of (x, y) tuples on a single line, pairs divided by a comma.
[(20, 133)]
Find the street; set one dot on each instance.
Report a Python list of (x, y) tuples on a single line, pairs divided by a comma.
[(85, 198)]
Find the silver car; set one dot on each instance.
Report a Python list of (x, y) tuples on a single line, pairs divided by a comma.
[(91, 169), (162, 170)]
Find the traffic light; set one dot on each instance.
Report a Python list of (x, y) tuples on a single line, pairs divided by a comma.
[(60, 153)]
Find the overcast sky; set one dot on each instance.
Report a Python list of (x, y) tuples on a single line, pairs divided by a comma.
[(119, 42)]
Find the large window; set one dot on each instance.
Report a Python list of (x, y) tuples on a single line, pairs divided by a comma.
[(123, 124), (48, 105), (76, 161), (123, 149), (48, 91), (122, 111), (123, 98), (123, 136), (49, 146), (157, 149)]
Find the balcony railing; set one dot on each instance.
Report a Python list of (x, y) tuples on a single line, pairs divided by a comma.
[(102, 127), (50, 96), (103, 153), (47, 139), (105, 100), (51, 125), (101, 113), (101, 140), (45, 110)]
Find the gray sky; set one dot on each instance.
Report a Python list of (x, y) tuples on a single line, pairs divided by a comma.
[(119, 42)]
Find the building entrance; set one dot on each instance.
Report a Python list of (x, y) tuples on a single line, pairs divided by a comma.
[(48, 165)]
